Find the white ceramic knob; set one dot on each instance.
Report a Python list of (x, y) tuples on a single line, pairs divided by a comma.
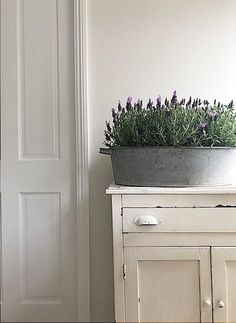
[(221, 304), (146, 220), (207, 302)]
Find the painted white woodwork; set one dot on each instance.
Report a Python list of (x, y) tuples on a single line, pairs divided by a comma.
[(118, 259), (181, 267), (179, 200), (167, 284), (38, 79), (187, 239), (224, 284), (39, 224), (181, 219), (132, 190), (82, 163), (39, 199)]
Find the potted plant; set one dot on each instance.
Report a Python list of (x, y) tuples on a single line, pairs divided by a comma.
[(172, 143)]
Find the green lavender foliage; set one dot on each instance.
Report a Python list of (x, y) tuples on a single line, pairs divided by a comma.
[(194, 123)]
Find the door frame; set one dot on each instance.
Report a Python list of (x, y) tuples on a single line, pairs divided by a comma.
[(82, 161)]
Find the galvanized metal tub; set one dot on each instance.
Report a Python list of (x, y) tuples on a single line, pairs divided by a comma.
[(173, 166)]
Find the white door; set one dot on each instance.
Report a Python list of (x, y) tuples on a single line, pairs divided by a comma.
[(38, 161), (224, 284), (167, 284)]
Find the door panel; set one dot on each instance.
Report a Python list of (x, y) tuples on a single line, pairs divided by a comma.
[(38, 162), (224, 284), (38, 72), (40, 275), (167, 284)]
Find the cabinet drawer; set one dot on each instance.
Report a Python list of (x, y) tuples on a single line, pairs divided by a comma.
[(180, 219)]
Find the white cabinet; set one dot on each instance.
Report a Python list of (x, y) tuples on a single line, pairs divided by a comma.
[(224, 284), (170, 284), (174, 254)]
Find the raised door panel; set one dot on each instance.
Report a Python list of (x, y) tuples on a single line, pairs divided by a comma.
[(38, 72), (224, 284), (40, 266), (167, 284), (38, 162)]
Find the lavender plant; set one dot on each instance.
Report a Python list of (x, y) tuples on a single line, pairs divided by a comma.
[(192, 123)]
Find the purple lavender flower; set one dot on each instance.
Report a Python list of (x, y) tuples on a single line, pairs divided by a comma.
[(174, 99), (108, 126), (119, 106), (150, 104), (212, 114), (128, 104), (231, 105), (108, 137), (194, 104), (158, 101), (189, 101), (203, 127), (139, 104), (113, 112)]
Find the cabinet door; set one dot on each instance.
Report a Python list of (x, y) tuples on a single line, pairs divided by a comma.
[(224, 284), (167, 284)]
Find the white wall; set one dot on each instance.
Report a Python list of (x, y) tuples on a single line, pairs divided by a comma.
[(143, 48)]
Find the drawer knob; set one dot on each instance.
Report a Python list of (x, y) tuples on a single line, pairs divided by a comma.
[(207, 302), (146, 220), (221, 304)]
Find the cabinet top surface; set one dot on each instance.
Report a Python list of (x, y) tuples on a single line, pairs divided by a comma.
[(117, 189)]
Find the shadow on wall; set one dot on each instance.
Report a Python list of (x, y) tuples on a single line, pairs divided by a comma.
[(101, 262)]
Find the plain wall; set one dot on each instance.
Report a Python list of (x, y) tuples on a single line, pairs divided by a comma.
[(143, 48)]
